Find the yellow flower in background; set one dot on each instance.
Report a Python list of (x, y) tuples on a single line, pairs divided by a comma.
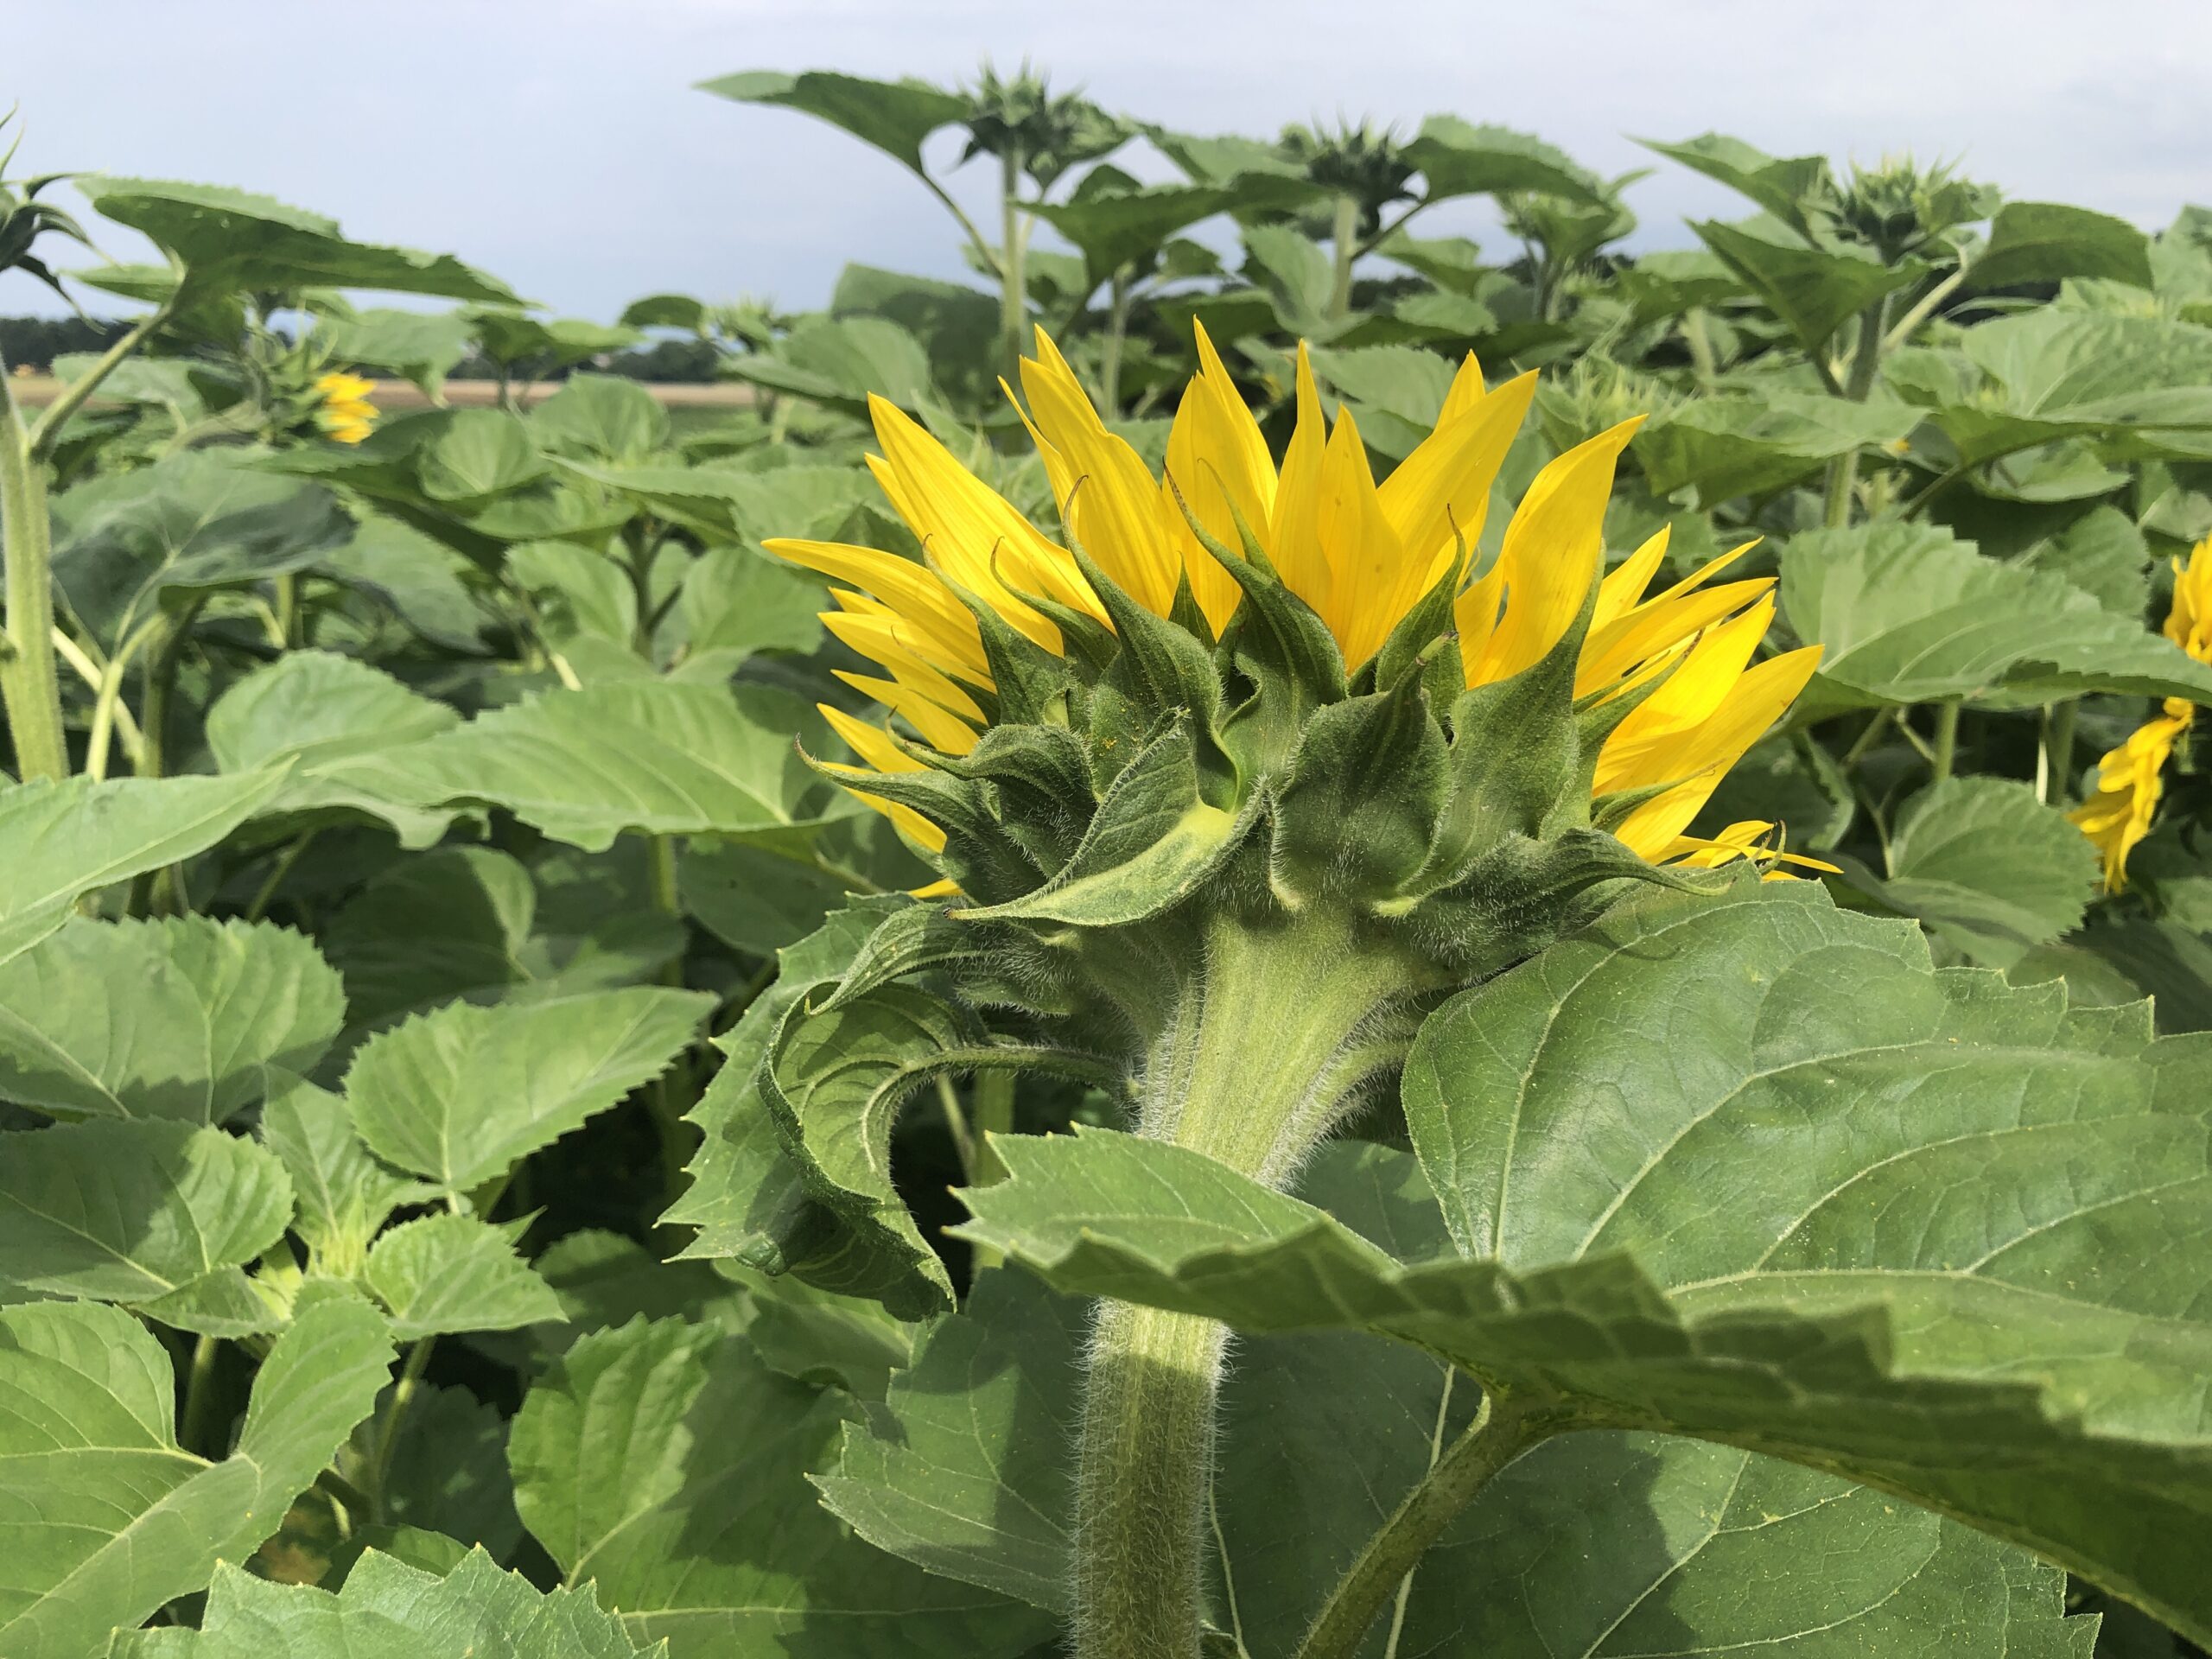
[(1359, 552), (347, 416), (2129, 783)]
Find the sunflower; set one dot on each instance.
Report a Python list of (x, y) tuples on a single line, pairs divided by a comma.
[(345, 414), (2130, 778), (1360, 555)]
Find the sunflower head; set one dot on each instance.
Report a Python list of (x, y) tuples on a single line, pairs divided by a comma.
[(1273, 684), (343, 412)]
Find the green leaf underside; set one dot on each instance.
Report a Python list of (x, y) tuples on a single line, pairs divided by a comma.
[(664, 1462), (388, 1609), (103, 1518), (1796, 1193)]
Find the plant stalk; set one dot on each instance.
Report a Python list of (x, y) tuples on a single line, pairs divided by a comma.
[(1117, 329), (29, 683), (1947, 739), (1014, 290), (1866, 364), (1345, 244), (199, 1398), (2058, 752), (1324, 995), (1502, 1429)]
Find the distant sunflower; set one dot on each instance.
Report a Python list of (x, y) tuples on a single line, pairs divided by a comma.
[(345, 414), (2130, 778)]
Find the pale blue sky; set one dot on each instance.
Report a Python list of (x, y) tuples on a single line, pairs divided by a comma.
[(556, 142)]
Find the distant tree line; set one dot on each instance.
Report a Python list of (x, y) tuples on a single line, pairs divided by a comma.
[(36, 341)]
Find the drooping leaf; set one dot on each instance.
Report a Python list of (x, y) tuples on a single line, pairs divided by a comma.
[(1789, 187), (231, 241), (2047, 242), (1908, 614), (388, 1609), (1731, 446), (341, 1194), (1459, 159), (158, 1215), (1812, 288), (1795, 1191), (103, 1516), (664, 1462), (892, 116), (177, 1018)]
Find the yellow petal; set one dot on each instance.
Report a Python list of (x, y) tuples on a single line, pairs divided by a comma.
[(1617, 651), (1219, 468), (1467, 390), (1648, 745), (875, 747), (2189, 624), (913, 592), (1295, 526), (881, 636), (1623, 586), (1438, 495), (1111, 500), (2129, 785), (942, 730), (1551, 555), (1759, 697), (1366, 562), (1244, 446)]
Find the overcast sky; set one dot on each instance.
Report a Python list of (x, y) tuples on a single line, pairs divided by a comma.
[(556, 142)]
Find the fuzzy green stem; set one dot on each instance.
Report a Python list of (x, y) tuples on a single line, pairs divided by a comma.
[(1345, 243), (1320, 993), (395, 1414), (1866, 364), (1014, 292), (663, 1097), (1143, 1471), (1947, 739), (1504, 1428), (29, 681), (1699, 341)]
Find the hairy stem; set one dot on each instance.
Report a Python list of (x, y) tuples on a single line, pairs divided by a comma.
[(1324, 995), (2057, 757), (1504, 1428), (29, 681), (1014, 290), (1947, 739), (395, 1414), (1143, 1473), (1345, 245), (1117, 328), (199, 1398)]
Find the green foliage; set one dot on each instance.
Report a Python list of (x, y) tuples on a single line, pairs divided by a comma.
[(481, 1112)]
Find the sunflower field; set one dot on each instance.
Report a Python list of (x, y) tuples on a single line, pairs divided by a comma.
[(1270, 937)]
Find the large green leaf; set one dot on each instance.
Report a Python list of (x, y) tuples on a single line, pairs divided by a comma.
[(841, 361), (893, 116), (602, 416), (60, 841), (1812, 288), (667, 1464), (422, 345), (460, 1095), (322, 713), (159, 1216), (1908, 614), (388, 1610), (454, 1273), (1731, 446), (1125, 226), (199, 519), (102, 1516), (175, 1019), (2138, 385), (1456, 158), (649, 757), (1990, 868), (1747, 1169), (1792, 188), (231, 241), (2046, 242)]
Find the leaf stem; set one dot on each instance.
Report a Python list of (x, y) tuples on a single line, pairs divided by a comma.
[(198, 1397), (43, 437), (1117, 328), (395, 1412), (29, 681), (1947, 738), (1866, 364), (2056, 767), (1504, 1427), (123, 724), (1014, 289), (283, 867)]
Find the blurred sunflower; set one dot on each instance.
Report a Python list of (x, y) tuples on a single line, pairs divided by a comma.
[(344, 413)]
